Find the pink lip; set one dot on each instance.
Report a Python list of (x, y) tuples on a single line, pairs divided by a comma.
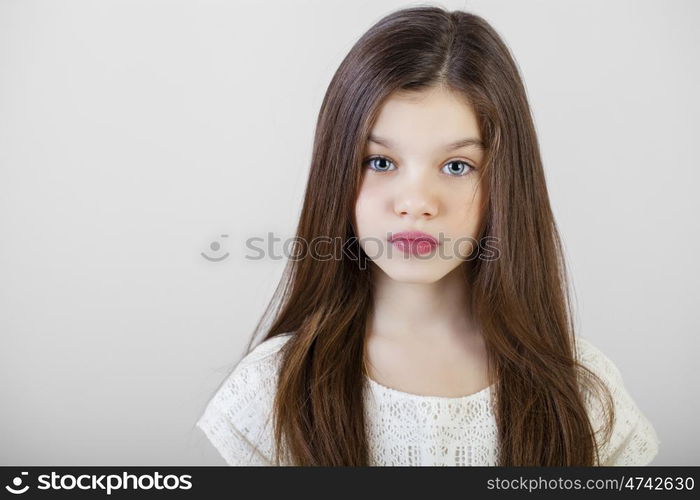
[(414, 242)]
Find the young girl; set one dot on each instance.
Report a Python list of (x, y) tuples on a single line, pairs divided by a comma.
[(439, 331)]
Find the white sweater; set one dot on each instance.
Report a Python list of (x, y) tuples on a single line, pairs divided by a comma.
[(408, 429)]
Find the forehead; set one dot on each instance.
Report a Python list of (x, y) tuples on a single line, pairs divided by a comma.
[(435, 115)]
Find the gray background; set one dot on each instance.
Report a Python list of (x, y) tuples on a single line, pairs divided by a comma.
[(134, 134)]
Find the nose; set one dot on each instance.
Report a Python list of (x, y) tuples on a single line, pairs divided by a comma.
[(416, 202)]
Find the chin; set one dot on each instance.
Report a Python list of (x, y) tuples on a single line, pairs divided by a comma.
[(414, 272)]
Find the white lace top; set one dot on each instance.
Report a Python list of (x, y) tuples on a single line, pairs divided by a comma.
[(408, 429)]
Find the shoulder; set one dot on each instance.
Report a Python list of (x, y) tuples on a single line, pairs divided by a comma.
[(264, 356), (597, 361), (634, 440), (253, 381), (238, 416)]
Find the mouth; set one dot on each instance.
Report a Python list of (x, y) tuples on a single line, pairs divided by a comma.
[(413, 242)]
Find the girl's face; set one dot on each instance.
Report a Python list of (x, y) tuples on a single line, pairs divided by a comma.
[(417, 178)]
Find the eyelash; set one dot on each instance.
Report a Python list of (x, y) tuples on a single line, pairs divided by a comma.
[(368, 161)]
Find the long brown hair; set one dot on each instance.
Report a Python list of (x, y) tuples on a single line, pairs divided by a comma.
[(521, 299)]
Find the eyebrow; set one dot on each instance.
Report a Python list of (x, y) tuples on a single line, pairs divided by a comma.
[(461, 143)]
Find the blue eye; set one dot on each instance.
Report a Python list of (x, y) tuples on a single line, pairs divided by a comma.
[(462, 167), (455, 168), (383, 168)]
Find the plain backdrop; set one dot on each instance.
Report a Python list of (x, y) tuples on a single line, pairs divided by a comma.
[(137, 135)]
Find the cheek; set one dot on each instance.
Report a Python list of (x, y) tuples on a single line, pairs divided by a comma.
[(465, 218), (368, 206), (463, 204)]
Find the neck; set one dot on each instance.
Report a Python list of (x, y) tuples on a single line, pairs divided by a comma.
[(436, 311)]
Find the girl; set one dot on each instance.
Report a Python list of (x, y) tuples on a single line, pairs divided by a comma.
[(440, 331)]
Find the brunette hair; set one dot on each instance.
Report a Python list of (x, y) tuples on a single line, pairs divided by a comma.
[(521, 299)]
